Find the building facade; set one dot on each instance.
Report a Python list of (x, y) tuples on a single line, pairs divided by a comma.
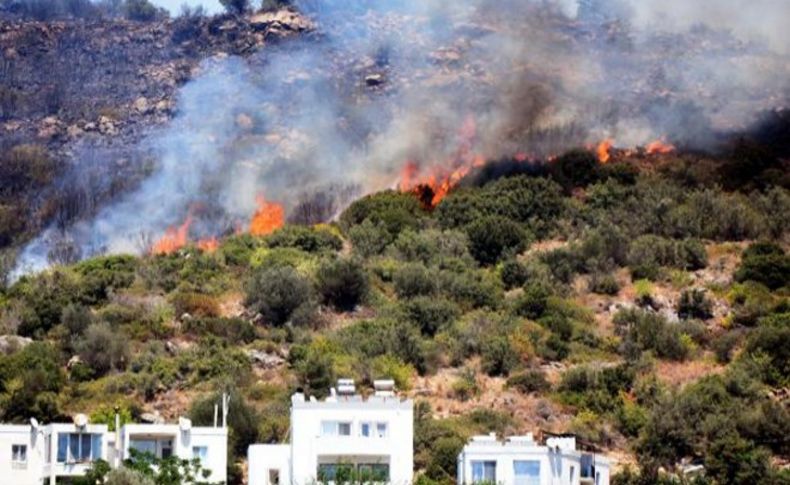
[(37, 454), (344, 436), (520, 460)]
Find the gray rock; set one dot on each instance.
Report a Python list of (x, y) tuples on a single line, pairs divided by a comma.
[(264, 359), (12, 343)]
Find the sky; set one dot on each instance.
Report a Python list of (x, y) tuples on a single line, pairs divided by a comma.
[(174, 6)]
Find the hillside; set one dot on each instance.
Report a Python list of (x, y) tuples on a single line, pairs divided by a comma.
[(644, 311), (532, 219)]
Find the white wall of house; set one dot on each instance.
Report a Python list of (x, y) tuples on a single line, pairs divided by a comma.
[(21, 455), (61, 450), (373, 432), (269, 464), (520, 460), (207, 443)]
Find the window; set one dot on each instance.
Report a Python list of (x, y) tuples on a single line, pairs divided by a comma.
[(335, 472), (78, 447), (364, 430), (373, 472), (381, 430), (573, 473), (19, 453), (274, 477), (483, 471), (335, 428), (143, 446), (201, 453), (526, 472)]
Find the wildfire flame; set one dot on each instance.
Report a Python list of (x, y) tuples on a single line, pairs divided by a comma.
[(436, 182), (602, 150), (174, 239), (659, 147), (269, 217), (208, 245)]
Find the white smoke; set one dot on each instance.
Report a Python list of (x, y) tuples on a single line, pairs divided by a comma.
[(384, 84)]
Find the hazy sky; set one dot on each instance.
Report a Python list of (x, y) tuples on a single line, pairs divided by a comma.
[(175, 5)]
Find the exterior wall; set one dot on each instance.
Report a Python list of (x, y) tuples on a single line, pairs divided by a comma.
[(214, 439), (309, 447), (262, 459), (28, 473), (557, 466)]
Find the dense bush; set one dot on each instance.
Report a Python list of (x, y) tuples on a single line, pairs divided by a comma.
[(277, 293), (498, 356), (430, 315), (514, 274), (393, 211), (310, 239), (493, 238), (529, 381), (766, 264), (694, 303), (29, 382), (101, 276), (343, 283), (234, 330), (648, 253), (641, 330), (414, 280), (103, 349), (770, 340)]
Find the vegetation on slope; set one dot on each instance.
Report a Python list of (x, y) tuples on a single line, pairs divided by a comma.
[(572, 291)]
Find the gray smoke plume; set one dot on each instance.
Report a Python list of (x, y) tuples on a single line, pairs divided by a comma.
[(439, 85)]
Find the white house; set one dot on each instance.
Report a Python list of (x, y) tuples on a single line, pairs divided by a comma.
[(344, 435), (520, 460), (209, 444), (34, 454)]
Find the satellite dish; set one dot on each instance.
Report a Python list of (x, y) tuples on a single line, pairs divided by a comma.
[(184, 423), (81, 420), (34, 423)]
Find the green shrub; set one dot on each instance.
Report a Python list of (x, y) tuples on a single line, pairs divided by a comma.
[(533, 302), (391, 367), (641, 330), (770, 340), (529, 381), (649, 253), (309, 239), (29, 382), (750, 301), (498, 356), (369, 239), (234, 330), (604, 284), (277, 293), (238, 249), (430, 315), (465, 387), (413, 280), (101, 276), (195, 304), (577, 168), (395, 211), (694, 304), (724, 345), (103, 350), (514, 274), (764, 264), (343, 283), (242, 419), (492, 238), (471, 289)]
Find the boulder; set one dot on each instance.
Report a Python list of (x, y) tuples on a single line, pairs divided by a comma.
[(12, 343), (264, 359)]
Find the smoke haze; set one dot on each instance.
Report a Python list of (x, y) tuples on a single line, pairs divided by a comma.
[(437, 84)]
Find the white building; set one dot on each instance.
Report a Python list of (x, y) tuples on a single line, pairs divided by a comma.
[(520, 460), (34, 454), (344, 435), (182, 440)]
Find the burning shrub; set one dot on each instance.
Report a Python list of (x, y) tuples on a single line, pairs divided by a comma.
[(493, 238), (342, 282), (277, 293)]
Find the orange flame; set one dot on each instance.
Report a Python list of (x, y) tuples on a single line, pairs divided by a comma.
[(659, 147), (269, 217), (208, 245), (174, 239), (602, 150)]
